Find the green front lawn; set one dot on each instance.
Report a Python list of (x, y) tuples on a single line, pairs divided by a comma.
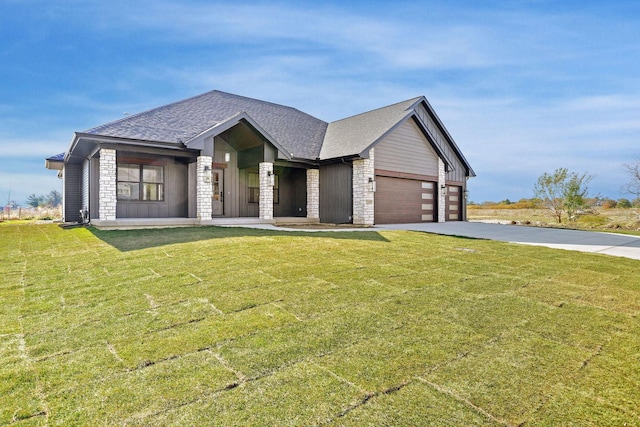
[(224, 326)]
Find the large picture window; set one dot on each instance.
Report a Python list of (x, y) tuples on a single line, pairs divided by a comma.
[(140, 182)]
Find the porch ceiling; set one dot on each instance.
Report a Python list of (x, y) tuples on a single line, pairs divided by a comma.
[(241, 137)]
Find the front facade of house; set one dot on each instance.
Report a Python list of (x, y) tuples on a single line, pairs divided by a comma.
[(220, 156)]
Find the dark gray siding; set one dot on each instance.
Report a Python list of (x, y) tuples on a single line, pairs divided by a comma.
[(406, 150), (72, 192), (176, 191), (336, 193), (292, 192), (192, 190), (246, 209)]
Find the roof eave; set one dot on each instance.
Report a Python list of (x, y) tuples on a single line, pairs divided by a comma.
[(128, 141), (53, 164)]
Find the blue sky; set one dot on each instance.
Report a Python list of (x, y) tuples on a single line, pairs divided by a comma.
[(524, 87)]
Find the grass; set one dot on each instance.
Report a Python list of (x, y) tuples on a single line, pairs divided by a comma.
[(626, 221), (223, 326)]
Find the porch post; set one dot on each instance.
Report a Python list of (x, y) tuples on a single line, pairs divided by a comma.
[(107, 193), (364, 190), (313, 193), (266, 190), (204, 191), (442, 191)]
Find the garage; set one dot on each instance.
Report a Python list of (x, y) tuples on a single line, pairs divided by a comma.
[(400, 200), (453, 211)]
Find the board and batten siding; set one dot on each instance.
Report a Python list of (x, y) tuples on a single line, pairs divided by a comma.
[(72, 192), (85, 184), (458, 174), (406, 150), (176, 191), (336, 193)]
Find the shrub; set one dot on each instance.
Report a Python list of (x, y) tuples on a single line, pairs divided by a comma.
[(609, 204)]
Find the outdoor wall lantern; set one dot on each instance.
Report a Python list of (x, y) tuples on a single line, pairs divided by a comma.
[(372, 185), (227, 157), (207, 173), (443, 189), (272, 178)]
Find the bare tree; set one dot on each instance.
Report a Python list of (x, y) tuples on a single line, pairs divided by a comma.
[(633, 186)]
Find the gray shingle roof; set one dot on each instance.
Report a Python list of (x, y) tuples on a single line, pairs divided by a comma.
[(301, 135), (297, 132), (354, 135)]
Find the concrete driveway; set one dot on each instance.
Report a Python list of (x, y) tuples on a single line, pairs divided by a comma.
[(586, 241)]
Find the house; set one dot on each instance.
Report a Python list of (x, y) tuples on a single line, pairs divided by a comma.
[(221, 157)]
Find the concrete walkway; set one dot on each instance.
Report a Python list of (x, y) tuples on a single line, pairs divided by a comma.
[(585, 241), (620, 245)]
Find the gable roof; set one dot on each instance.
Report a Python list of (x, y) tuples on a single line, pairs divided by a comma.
[(299, 133), (186, 123), (353, 135)]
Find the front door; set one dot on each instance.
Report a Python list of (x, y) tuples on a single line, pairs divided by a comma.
[(217, 202)]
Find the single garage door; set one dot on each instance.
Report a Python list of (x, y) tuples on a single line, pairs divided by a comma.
[(454, 203), (399, 200)]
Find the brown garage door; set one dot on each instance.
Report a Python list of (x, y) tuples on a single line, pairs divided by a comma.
[(399, 200), (454, 203)]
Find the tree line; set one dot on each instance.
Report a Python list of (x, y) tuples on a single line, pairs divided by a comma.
[(53, 199), (565, 194)]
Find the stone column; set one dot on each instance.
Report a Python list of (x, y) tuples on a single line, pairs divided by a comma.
[(313, 193), (107, 193), (363, 190), (266, 190), (204, 191), (442, 191)]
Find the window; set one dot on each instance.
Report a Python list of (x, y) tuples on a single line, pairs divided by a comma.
[(276, 189), (253, 184), (140, 182)]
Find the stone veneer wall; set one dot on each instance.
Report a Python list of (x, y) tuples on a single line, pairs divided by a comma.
[(313, 193), (363, 196), (266, 190), (107, 195), (204, 190), (442, 194)]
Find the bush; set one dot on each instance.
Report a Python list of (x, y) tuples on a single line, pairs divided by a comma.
[(609, 204)]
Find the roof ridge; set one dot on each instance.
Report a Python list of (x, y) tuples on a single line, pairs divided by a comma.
[(380, 108), (265, 102)]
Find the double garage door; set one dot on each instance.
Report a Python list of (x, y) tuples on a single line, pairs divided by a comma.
[(400, 200)]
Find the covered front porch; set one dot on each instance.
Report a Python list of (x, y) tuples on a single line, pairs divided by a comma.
[(231, 176)]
